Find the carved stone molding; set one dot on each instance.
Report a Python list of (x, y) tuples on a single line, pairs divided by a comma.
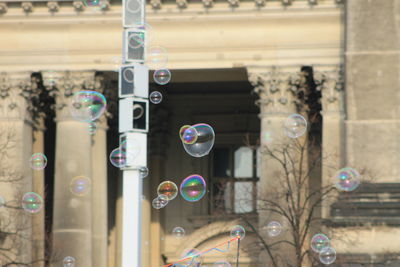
[(259, 3), (234, 3), (3, 8), (27, 7), (62, 85), (286, 2), (17, 90), (208, 3), (330, 83), (277, 89), (78, 6), (181, 3), (53, 6), (155, 4)]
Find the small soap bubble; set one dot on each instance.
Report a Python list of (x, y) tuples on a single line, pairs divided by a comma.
[(157, 57), (157, 203), (163, 199), (273, 228), (143, 172), (347, 179), (118, 158), (92, 128), (193, 188), (32, 202), (80, 185), (155, 97), (162, 76), (178, 232), (222, 264), (69, 261), (319, 241), (238, 231), (169, 189), (87, 106), (295, 126), (327, 255), (204, 142), (38, 161), (188, 134)]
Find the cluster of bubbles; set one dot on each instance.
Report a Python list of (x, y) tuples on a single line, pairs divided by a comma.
[(38, 161), (321, 244), (295, 126), (166, 192), (69, 261), (193, 188), (197, 140), (347, 179), (273, 228)]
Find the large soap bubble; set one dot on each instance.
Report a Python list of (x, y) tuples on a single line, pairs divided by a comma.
[(193, 188), (87, 106), (327, 255), (118, 157), (204, 142), (32, 202), (295, 126), (347, 179), (319, 241)]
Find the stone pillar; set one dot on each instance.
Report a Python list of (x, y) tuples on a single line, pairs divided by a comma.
[(72, 221), (15, 174), (330, 83)]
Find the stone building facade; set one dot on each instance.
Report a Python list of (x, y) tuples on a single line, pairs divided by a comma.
[(232, 63)]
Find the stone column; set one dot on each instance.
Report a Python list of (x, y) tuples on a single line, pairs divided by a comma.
[(72, 221), (330, 83), (15, 174)]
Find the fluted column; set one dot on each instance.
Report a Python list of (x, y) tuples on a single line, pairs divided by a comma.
[(15, 172), (330, 83), (72, 221)]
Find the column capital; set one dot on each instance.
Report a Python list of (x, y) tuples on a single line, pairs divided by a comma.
[(277, 88), (331, 85), (17, 92)]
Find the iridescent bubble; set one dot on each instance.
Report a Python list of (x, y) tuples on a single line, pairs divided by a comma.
[(157, 57), (93, 3), (155, 97), (222, 264), (178, 232), (274, 228), (347, 179), (69, 261), (238, 231), (87, 106), (118, 158), (2, 201), (295, 126), (193, 188), (163, 199), (204, 142), (92, 128), (157, 203), (169, 189), (319, 241), (143, 172), (80, 185), (188, 134), (162, 76), (32, 202), (38, 161), (327, 255)]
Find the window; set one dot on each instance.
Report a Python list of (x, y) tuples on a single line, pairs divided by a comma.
[(234, 180)]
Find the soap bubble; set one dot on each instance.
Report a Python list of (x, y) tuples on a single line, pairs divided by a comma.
[(38, 161), (157, 57), (32, 202), (347, 179), (88, 106), (118, 158), (319, 241), (193, 188), (94, 3), (69, 261), (238, 231), (143, 172), (163, 199), (169, 189), (178, 232), (222, 264), (162, 76), (274, 228), (204, 142), (2, 201), (155, 97), (158, 203), (295, 126), (188, 134), (92, 128), (327, 255), (80, 185)]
